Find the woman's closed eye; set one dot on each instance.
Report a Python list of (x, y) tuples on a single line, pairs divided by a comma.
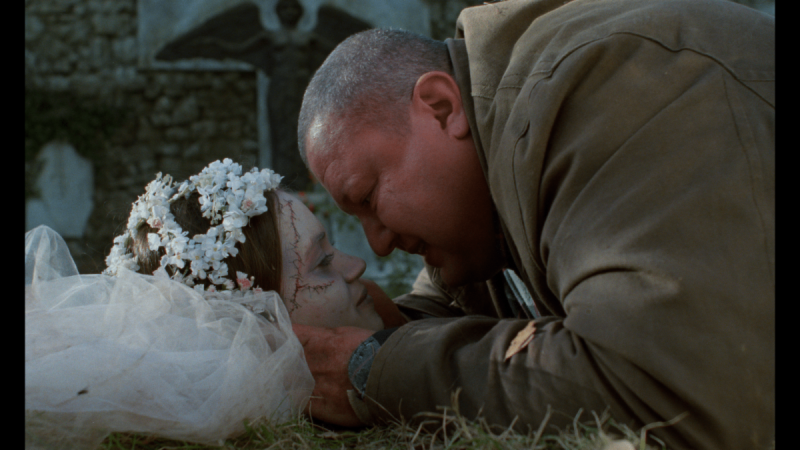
[(326, 261)]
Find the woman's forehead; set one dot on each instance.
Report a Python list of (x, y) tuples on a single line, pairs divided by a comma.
[(299, 227)]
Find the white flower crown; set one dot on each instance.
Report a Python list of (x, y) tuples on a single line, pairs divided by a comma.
[(227, 198)]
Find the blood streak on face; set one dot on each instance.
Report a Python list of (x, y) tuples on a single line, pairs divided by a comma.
[(294, 252), (320, 285)]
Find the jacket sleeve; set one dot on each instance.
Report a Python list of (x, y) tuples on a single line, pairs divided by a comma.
[(641, 198)]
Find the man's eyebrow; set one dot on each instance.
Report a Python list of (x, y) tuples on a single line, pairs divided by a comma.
[(314, 241), (348, 187)]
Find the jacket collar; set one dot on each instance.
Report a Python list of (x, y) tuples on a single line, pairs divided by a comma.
[(458, 58), (460, 63)]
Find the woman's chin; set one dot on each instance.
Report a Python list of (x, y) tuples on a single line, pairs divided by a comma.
[(365, 317), (371, 320)]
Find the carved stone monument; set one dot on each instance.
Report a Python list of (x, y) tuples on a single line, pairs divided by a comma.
[(288, 56), (66, 189)]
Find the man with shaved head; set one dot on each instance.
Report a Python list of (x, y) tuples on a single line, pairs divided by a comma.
[(591, 184)]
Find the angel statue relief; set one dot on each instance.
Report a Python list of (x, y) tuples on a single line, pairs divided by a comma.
[(288, 56)]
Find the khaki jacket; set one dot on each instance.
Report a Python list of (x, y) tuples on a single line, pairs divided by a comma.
[(629, 149)]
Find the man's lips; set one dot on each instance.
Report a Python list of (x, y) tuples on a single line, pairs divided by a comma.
[(419, 249)]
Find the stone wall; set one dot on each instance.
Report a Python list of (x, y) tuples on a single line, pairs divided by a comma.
[(174, 122)]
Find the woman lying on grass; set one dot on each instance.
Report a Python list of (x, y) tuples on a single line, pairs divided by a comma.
[(187, 333)]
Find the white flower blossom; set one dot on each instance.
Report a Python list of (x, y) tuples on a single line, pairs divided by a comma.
[(226, 197), (153, 241), (234, 220)]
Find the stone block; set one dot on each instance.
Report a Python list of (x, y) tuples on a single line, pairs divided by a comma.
[(50, 7), (106, 24), (245, 86), (87, 84), (186, 111), (194, 81), (99, 53), (173, 89), (59, 83), (162, 78), (173, 166), (33, 27), (163, 104), (124, 50), (128, 78), (66, 186), (52, 49), (148, 166), (77, 32), (218, 83), (138, 152), (151, 90), (192, 151), (30, 60), (177, 134), (204, 129), (231, 129), (61, 66), (116, 7), (170, 150), (128, 182), (146, 132), (160, 119)]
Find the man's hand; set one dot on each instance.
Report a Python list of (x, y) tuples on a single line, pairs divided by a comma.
[(328, 352)]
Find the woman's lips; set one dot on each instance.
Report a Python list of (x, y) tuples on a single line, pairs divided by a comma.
[(364, 297)]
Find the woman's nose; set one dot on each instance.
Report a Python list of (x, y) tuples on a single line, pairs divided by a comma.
[(353, 267)]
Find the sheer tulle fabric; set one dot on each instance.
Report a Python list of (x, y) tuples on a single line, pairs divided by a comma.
[(147, 354)]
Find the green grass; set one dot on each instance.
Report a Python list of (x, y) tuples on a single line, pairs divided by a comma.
[(446, 431)]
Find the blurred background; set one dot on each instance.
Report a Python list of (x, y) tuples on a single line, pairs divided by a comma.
[(118, 90)]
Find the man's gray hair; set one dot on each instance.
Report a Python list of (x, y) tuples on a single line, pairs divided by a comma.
[(369, 79)]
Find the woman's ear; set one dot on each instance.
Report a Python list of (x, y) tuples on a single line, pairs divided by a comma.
[(437, 94)]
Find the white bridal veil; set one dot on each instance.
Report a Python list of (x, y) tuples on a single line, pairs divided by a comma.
[(147, 354)]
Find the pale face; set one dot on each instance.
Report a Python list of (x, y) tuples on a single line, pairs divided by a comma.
[(320, 285), (425, 194)]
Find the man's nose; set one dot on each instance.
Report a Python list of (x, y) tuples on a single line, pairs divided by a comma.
[(381, 239)]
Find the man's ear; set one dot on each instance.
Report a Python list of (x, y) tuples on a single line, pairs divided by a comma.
[(437, 94)]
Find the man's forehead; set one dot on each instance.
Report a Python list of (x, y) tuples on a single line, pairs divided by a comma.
[(334, 164), (322, 162), (340, 178), (320, 148)]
